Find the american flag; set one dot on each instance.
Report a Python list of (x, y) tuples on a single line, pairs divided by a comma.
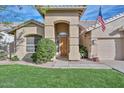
[(100, 20)]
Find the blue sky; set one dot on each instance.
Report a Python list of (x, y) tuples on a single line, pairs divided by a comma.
[(107, 11), (14, 14)]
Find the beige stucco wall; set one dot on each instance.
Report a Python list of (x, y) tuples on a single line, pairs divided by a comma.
[(21, 39), (70, 17), (52, 17), (85, 40), (111, 38), (111, 29)]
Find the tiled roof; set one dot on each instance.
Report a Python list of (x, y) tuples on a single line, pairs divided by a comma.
[(25, 23), (87, 23), (64, 6), (106, 21)]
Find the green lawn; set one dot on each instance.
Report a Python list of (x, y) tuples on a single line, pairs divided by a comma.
[(28, 76)]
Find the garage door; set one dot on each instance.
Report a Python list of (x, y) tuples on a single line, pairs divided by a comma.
[(110, 49)]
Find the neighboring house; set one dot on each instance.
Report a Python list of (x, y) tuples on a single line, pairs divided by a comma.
[(63, 26), (4, 26)]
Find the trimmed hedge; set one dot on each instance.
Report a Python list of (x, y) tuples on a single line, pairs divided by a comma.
[(45, 51)]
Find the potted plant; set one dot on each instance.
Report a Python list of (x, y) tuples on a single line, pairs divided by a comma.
[(83, 51)]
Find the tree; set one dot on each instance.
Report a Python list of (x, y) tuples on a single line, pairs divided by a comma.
[(42, 10), (5, 41)]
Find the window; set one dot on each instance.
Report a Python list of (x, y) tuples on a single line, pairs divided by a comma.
[(31, 43)]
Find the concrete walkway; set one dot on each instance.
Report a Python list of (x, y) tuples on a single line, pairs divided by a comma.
[(117, 65), (63, 64)]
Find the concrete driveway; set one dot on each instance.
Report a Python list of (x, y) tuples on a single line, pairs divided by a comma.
[(117, 65)]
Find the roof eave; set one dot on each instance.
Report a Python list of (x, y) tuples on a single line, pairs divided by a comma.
[(25, 23)]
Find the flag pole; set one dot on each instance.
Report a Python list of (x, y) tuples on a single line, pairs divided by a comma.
[(97, 39), (98, 15)]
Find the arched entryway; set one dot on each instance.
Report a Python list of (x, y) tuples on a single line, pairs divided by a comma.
[(62, 39)]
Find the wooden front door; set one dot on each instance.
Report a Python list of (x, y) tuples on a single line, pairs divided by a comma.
[(64, 46)]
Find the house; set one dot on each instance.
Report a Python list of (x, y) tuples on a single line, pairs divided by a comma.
[(62, 25), (108, 45), (26, 36)]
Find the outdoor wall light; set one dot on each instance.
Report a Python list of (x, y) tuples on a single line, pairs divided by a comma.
[(93, 42)]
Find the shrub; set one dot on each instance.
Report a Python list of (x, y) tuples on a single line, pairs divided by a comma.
[(3, 55), (45, 51), (34, 57), (83, 51), (15, 58)]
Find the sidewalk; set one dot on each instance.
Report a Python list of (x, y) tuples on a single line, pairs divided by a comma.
[(63, 64)]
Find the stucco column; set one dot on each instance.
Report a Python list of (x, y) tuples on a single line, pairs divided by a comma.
[(50, 32), (74, 42)]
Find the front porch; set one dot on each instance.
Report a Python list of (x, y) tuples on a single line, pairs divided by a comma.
[(62, 26)]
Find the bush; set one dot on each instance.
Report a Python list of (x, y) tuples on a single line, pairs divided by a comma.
[(83, 51), (34, 57), (3, 55), (15, 58), (45, 51)]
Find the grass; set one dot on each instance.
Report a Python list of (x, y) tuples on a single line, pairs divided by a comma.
[(27, 76)]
